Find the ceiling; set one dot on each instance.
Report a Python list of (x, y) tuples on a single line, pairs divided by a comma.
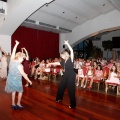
[(68, 14)]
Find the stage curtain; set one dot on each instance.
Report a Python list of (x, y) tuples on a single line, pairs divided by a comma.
[(39, 43)]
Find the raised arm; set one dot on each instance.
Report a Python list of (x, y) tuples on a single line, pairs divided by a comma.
[(26, 53), (14, 50), (54, 63), (71, 50), (22, 50), (20, 68)]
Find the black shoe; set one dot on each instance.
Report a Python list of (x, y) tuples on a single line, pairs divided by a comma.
[(19, 107), (27, 85), (58, 101), (13, 107), (71, 107)]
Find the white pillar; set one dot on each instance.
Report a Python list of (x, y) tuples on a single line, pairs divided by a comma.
[(61, 42)]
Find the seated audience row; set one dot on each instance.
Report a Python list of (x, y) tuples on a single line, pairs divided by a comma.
[(87, 71), (97, 71), (39, 68)]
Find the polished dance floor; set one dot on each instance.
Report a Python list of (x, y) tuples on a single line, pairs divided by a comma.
[(39, 103)]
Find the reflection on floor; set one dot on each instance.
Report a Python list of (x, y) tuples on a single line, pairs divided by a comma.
[(111, 90), (39, 101)]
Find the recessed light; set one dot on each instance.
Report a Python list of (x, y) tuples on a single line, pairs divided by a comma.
[(103, 4)]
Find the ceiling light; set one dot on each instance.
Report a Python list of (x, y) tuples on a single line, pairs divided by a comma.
[(103, 4)]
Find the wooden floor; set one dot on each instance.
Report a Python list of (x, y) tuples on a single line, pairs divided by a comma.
[(39, 103)]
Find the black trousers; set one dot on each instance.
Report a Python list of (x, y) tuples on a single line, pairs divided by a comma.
[(68, 80)]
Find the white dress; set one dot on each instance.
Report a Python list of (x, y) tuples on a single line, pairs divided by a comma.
[(113, 79), (80, 73), (3, 67)]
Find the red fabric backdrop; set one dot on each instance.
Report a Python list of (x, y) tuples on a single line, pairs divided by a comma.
[(40, 44)]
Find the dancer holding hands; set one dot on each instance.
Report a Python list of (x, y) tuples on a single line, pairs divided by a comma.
[(68, 79)]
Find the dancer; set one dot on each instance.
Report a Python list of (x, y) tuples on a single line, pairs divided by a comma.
[(14, 79), (68, 79), (26, 65)]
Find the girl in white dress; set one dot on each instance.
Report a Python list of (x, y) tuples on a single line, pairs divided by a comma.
[(113, 77), (80, 75), (89, 75)]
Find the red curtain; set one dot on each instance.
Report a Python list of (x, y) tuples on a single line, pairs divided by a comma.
[(38, 43)]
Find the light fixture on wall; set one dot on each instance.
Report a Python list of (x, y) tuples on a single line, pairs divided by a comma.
[(47, 4), (103, 4), (3, 7)]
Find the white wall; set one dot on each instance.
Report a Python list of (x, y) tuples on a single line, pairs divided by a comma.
[(61, 41), (92, 27), (5, 43), (17, 12)]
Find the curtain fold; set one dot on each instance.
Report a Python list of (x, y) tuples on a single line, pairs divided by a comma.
[(41, 44)]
